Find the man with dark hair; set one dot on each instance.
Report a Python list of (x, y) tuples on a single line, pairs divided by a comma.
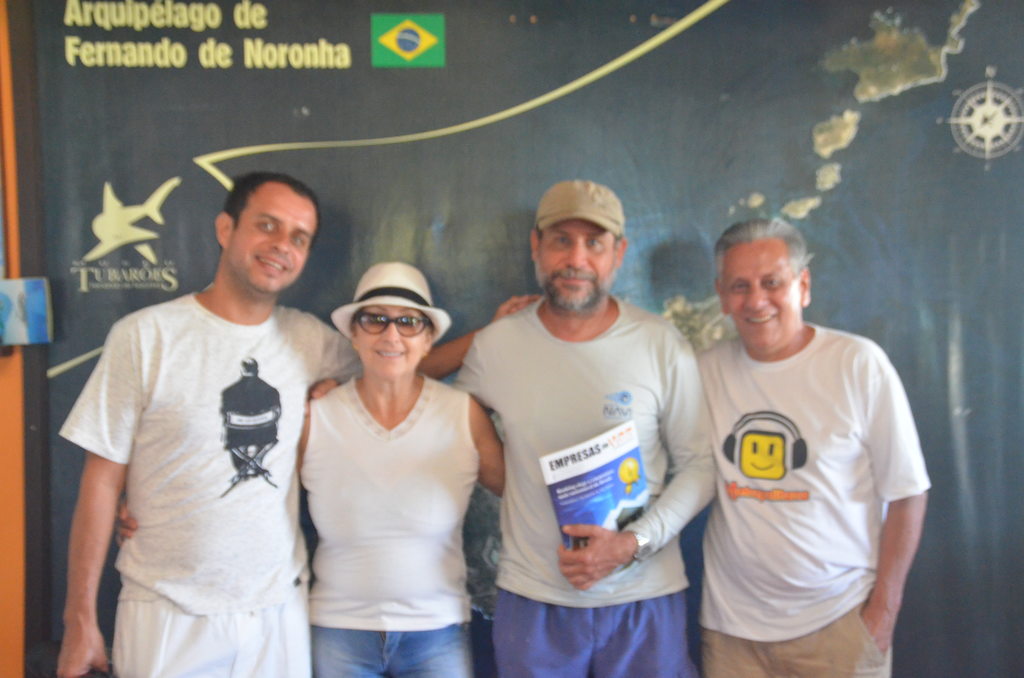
[(195, 410), (244, 186), (567, 368), (822, 486)]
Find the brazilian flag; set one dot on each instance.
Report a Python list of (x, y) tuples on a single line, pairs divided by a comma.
[(407, 40)]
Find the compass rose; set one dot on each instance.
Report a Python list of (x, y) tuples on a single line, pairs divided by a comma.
[(987, 120)]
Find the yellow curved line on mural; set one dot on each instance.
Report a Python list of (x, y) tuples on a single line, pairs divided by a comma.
[(209, 161), (68, 365)]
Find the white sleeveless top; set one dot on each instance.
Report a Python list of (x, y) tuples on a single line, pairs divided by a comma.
[(388, 507)]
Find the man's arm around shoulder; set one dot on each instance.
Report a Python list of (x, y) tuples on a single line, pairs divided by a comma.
[(447, 358), (83, 646)]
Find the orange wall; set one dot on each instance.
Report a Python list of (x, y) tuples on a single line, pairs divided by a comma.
[(12, 439)]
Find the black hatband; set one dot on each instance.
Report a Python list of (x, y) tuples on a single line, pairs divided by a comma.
[(394, 292)]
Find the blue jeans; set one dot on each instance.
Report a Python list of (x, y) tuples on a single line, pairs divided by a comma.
[(347, 653)]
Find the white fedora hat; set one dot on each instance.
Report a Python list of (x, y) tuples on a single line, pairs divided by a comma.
[(392, 283)]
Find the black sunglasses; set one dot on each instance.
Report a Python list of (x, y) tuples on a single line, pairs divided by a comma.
[(407, 325)]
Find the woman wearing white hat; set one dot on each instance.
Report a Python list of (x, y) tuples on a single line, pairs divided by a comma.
[(391, 459)]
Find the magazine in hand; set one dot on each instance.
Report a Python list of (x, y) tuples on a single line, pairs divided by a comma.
[(598, 481)]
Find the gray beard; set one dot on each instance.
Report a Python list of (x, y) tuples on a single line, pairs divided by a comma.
[(582, 305)]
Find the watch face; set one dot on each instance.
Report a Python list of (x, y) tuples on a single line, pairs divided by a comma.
[(643, 546)]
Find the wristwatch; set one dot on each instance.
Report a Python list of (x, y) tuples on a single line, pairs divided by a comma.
[(644, 548)]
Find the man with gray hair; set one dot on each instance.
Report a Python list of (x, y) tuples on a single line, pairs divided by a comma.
[(567, 368), (821, 487)]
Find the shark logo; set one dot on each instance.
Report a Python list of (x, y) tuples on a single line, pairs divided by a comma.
[(115, 225)]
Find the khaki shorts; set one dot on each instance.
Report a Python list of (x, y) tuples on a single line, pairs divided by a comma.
[(842, 649)]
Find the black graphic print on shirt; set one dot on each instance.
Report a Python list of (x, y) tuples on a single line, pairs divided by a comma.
[(251, 409)]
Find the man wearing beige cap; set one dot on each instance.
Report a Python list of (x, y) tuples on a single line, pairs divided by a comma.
[(567, 368)]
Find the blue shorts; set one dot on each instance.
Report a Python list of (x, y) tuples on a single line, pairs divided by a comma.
[(538, 640), (349, 653)]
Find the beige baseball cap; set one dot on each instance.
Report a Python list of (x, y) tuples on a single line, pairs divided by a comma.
[(585, 200)]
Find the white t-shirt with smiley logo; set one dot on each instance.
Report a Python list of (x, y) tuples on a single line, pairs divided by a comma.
[(808, 452)]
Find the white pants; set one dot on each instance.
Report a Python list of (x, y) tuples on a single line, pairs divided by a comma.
[(157, 639)]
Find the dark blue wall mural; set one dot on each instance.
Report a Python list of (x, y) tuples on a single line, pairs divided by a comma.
[(888, 132)]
